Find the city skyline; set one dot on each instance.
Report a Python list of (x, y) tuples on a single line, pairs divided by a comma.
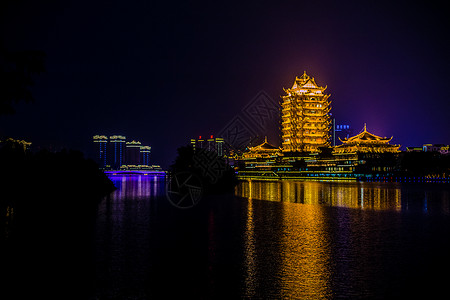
[(169, 73), (117, 153)]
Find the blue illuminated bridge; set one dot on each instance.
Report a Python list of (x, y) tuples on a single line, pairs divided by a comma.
[(136, 172)]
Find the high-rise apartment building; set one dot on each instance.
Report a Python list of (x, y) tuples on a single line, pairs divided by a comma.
[(133, 153), (210, 144), (145, 155), (117, 151), (340, 132), (101, 144), (305, 116)]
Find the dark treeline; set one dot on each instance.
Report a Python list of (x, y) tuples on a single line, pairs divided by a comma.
[(48, 203), (216, 175), (17, 69), (425, 164)]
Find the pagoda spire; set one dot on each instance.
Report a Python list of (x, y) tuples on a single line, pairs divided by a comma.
[(304, 77)]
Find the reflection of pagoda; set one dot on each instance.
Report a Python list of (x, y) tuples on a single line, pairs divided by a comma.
[(366, 142), (305, 118)]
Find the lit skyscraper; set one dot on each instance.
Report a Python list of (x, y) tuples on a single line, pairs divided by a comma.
[(133, 153), (117, 151), (145, 155), (211, 144), (100, 143), (340, 132), (219, 146)]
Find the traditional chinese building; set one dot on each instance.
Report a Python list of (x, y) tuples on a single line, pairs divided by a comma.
[(260, 157), (305, 116), (366, 142), (264, 150), (368, 154)]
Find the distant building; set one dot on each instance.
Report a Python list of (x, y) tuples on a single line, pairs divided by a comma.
[(117, 154), (210, 144), (117, 151), (101, 145), (18, 144), (133, 153), (431, 147), (441, 148), (220, 146), (340, 132), (145, 155), (414, 149)]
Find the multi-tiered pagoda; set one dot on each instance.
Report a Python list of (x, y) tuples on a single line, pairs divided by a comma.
[(305, 116)]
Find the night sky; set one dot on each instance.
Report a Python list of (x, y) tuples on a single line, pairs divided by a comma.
[(164, 72)]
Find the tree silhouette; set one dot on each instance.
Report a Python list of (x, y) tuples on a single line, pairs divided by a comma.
[(199, 162), (16, 76)]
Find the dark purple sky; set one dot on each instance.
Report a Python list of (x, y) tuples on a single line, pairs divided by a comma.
[(165, 72)]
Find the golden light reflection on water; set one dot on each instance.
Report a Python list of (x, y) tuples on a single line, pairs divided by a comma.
[(361, 195), (250, 257), (303, 248), (304, 245), (305, 271)]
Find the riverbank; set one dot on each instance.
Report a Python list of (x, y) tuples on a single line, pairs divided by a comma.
[(48, 206), (341, 176)]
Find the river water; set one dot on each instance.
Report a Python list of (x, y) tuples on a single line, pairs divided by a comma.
[(274, 240)]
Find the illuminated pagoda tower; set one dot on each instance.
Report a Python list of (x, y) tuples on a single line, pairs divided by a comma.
[(366, 142), (305, 116)]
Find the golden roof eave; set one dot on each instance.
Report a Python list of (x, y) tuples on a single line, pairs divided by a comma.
[(365, 133), (375, 144)]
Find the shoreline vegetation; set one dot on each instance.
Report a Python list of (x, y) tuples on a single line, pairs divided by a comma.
[(215, 174), (48, 206)]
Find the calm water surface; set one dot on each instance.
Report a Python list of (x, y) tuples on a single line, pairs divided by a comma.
[(294, 240)]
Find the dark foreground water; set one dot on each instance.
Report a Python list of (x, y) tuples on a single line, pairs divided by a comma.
[(292, 240)]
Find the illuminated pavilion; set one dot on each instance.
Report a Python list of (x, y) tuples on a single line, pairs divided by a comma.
[(366, 142), (305, 116), (264, 150)]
